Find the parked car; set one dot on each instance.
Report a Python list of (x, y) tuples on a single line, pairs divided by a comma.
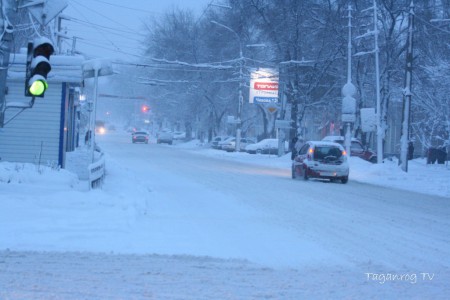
[(165, 137), (229, 144), (356, 148), (216, 140), (179, 135), (266, 146), (321, 159), (226, 144), (139, 137)]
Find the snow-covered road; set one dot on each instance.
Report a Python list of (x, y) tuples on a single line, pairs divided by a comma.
[(173, 223), (353, 223)]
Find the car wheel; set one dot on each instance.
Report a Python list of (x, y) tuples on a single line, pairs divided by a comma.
[(305, 173), (344, 179), (373, 159), (293, 173)]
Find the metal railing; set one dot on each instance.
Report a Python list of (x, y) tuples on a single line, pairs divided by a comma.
[(97, 172)]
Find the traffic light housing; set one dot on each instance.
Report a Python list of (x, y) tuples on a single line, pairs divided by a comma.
[(38, 66)]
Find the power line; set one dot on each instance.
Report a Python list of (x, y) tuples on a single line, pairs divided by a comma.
[(104, 36), (75, 20), (102, 15), (126, 7)]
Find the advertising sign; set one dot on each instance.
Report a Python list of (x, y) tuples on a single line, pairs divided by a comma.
[(264, 86)]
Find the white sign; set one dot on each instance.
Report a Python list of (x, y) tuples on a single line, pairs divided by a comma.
[(264, 86), (285, 124), (368, 119)]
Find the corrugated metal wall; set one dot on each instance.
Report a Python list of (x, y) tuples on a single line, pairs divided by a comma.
[(34, 135)]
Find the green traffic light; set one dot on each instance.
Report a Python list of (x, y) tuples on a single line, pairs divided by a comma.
[(38, 87)]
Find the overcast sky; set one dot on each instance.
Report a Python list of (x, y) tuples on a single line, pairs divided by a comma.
[(114, 28)]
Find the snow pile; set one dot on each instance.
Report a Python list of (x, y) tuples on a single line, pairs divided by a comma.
[(420, 178), (24, 174)]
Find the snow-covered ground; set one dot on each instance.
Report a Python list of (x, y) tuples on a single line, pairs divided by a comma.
[(142, 237), (421, 178)]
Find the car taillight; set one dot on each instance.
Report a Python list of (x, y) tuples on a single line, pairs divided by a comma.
[(344, 152), (310, 154)]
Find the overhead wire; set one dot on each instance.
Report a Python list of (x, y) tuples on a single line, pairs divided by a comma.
[(123, 6), (102, 15), (99, 30)]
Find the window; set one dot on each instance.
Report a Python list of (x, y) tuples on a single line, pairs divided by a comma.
[(321, 152), (303, 150)]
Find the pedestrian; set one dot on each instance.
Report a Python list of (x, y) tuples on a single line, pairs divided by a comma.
[(293, 149), (87, 137), (410, 150)]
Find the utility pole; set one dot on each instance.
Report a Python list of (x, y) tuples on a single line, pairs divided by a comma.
[(348, 91), (380, 133), (407, 93), (5, 50), (376, 51)]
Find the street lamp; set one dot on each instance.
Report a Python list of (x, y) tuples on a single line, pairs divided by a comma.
[(240, 97)]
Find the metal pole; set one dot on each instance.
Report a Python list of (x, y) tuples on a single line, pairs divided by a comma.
[(377, 75), (404, 141), (5, 49), (349, 45), (94, 114), (240, 101), (348, 134)]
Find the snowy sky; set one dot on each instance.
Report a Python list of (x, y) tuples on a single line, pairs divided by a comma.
[(113, 28)]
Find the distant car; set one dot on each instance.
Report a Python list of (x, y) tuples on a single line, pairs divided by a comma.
[(179, 135), (229, 144), (266, 146), (321, 159), (356, 148), (100, 127), (216, 140), (165, 137), (139, 137)]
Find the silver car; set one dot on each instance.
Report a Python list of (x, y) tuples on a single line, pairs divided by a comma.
[(165, 137), (229, 145), (319, 159)]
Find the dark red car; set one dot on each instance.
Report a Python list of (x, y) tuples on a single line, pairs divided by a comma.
[(356, 148)]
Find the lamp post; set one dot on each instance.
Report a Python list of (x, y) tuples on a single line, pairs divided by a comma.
[(240, 97)]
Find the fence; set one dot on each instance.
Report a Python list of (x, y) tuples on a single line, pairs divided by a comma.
[(97, 172)]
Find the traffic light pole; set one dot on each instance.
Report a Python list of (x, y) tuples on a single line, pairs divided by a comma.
[(93, 117), (5, 50)]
